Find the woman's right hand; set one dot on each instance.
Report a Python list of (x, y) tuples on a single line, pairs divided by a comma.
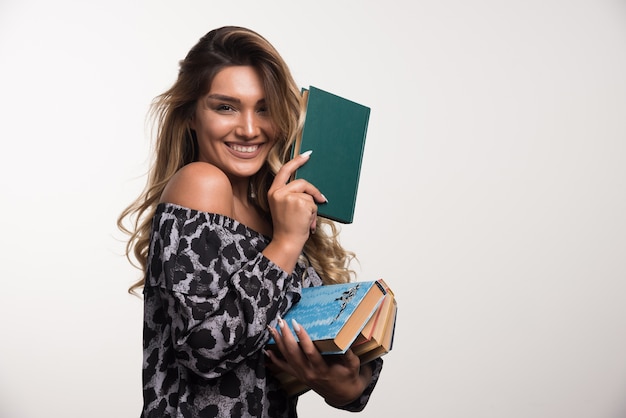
[(294, 214)]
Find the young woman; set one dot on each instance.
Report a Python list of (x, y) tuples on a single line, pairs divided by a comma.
[(226, 242)]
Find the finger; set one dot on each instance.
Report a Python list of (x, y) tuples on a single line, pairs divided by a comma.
[(288, 340), (306, 344), (350, 359), (290, 167), (278, 340), (299, 186), (284, 339), (276, 364), (286, 172)]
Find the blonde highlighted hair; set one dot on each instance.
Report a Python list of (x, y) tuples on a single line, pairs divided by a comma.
[(176, 146)]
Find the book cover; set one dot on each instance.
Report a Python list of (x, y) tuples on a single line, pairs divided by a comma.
[(335, 129), (334, 315)]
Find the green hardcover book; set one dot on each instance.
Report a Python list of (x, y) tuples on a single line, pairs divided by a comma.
[(334, 129)]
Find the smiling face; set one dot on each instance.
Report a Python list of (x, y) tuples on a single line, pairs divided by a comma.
[(232, 123)]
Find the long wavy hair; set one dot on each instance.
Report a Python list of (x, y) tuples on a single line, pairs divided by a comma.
[(176, 144)]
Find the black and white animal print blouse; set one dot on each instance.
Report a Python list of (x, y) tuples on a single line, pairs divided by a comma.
[(209, 295)]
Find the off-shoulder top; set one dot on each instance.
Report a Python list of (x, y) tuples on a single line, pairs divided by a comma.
[(209, 296)]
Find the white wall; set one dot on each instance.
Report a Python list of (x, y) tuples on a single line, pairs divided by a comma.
[(493, 196)]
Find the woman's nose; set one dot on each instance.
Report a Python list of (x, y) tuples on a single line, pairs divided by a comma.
[(248, 126)]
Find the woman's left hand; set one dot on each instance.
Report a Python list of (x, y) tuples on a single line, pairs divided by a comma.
[(339, 379)]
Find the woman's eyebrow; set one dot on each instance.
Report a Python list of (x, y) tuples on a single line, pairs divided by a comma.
[(226, 98)]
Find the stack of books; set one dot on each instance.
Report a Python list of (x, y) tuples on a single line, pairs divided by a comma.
[(359, 316)]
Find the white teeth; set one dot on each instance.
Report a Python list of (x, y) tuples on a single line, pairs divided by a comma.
[(241, 148)]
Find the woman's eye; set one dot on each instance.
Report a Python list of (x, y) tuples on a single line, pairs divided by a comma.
[(224, 108)]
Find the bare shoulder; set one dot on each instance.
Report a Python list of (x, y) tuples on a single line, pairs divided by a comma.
[(200, 186)]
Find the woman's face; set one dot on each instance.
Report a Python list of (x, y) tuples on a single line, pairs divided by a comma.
[(232, 123)]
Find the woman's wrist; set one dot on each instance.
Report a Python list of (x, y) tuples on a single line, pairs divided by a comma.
[(283, 253)]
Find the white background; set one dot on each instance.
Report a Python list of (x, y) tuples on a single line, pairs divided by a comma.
[(493, 196)]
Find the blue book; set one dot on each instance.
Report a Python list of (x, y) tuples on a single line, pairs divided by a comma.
[(334, 315)]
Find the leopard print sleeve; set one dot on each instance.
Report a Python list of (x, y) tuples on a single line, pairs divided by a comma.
[(359, 404), (215, 287)]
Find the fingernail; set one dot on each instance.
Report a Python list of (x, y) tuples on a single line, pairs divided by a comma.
[(296, 326), (281, 323), (306, 154), (325, 199), (267, 353)]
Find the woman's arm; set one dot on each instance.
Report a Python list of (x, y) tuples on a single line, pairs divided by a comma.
[(294, 213), (212, 290)]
